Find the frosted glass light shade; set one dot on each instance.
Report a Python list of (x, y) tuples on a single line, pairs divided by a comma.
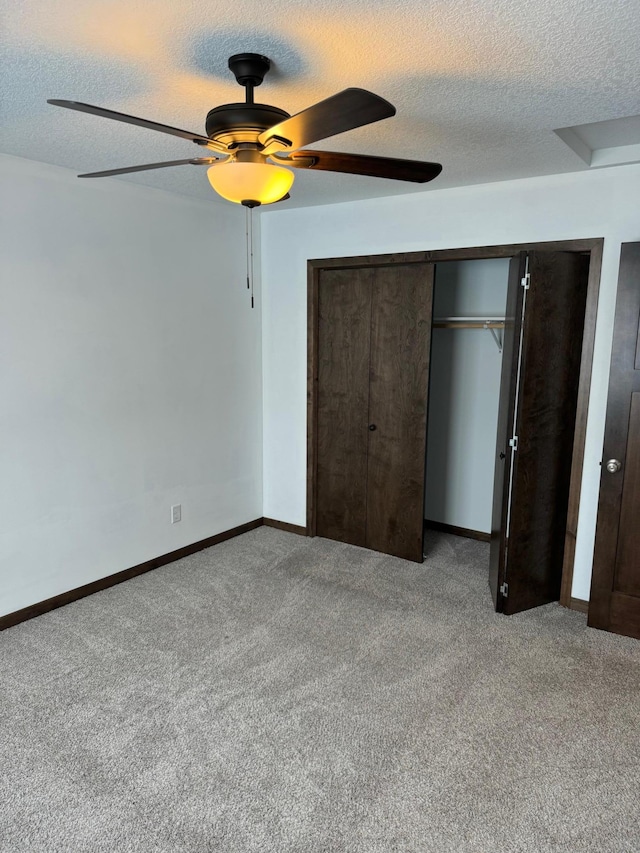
[(260, 182)]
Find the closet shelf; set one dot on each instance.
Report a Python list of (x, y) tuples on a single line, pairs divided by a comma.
[(490, 323)]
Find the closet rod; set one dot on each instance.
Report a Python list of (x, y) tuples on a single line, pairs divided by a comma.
[(490, 323), (469, 322)]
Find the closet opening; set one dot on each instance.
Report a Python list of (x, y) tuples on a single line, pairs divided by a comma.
[(469, 304), (449, 390)]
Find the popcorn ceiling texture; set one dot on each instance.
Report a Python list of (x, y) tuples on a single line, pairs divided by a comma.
[(478, 85)]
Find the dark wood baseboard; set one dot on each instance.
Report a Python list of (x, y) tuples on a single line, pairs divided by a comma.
[(284, 525), (457, 531), (41, 607), (56, 601)]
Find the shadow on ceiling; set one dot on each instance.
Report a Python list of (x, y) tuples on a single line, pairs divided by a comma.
[(210, 52)]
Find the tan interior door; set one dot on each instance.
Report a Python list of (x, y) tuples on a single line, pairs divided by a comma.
[(615, 588)]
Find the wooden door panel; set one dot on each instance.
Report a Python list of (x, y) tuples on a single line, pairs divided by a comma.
[(538, 397), (623, 615), (627, 575), (551, 350), (510, 348), (545, 425), (398, 389), (344, 324), (615, 586)]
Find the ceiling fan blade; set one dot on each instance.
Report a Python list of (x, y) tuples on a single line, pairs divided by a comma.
[(417, 171), (347, 110), (199, 161), (140, 122)]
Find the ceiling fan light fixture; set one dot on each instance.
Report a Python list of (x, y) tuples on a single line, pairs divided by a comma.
[(259, 182), (245, 135)]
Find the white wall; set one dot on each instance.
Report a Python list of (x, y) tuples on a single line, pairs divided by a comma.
[(130, 378), (464, 390), (601, 203)]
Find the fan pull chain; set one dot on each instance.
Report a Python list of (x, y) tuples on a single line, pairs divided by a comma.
[(251, 249), (249, 244), (247, 247)]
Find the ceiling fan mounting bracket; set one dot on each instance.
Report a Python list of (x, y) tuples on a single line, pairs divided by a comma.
[(249, 68)]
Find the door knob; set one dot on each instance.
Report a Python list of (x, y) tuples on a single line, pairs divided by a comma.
[(372, 427), (613, 466)]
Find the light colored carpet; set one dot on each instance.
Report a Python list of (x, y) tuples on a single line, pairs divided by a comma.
[(281, 694)]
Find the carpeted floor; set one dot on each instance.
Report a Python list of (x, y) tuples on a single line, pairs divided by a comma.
[(289, 695)]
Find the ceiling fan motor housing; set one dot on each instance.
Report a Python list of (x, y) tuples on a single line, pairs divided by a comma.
[(234, 123)]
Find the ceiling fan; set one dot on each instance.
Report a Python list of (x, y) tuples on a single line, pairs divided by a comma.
[(249, 144)]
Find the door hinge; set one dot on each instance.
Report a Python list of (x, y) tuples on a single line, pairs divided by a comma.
[(525, 281), (513, 442), (504, 589)]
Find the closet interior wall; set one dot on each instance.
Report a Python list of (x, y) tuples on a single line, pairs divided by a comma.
[(464, 394)]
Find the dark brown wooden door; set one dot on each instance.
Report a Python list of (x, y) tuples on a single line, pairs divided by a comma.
[(615, 587), (538, 402), (374, 333), (398, 387), (344, 333)]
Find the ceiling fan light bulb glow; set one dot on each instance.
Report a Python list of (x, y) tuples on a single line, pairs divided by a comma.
[(259, 182)]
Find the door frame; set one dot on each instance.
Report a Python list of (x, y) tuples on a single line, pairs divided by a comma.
[(591, 246)]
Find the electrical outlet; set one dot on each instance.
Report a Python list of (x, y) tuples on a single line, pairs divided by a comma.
[(176, 513)]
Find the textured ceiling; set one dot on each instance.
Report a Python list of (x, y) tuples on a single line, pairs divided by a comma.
[(479, 85)]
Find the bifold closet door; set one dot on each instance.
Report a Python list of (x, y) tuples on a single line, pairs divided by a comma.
[(398, 388), (342, 437), (374, 338), (544, 327)]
